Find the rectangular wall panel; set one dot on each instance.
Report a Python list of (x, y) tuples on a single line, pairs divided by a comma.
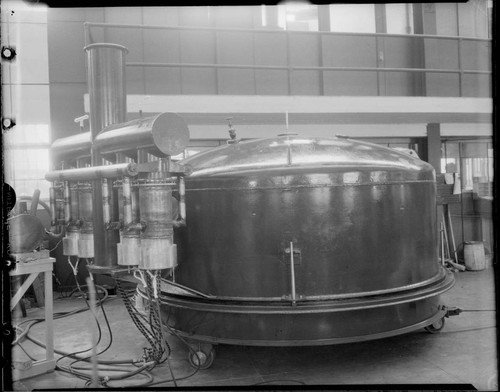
[(442, 85), (235, 48), (66, 55), (271, 49), (350, 83)]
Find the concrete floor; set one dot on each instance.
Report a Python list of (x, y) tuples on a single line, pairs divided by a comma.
[(464, 352)]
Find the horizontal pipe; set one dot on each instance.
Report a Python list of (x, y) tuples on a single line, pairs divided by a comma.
[(71, 148), (93, 173), (303, 68), (163, 134), (167, 133)]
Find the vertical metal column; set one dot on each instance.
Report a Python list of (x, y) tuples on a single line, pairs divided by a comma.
[(108, 105)]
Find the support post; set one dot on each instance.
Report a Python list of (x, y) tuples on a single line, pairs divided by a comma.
[(434, 146)]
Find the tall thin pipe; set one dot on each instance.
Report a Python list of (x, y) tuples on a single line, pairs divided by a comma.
[(106, 86), (292, 273), (108, 105), (53, 210), (67, 203), (127, 201)]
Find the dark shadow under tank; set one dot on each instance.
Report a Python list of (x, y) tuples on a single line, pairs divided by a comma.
[(306, 241)]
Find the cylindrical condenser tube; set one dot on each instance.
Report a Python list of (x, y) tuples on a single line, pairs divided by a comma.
[(129, 248), (53, 209), (158, 250), (85, 211), (70, 241)]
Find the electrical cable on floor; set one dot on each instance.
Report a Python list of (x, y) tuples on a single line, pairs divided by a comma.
[(70, 368), (162, 328), (29, 356), (143, 370), (182, 340), (134, 312), (161, 350)]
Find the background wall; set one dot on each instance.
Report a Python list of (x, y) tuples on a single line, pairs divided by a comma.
[(25, 97), (276, 47)]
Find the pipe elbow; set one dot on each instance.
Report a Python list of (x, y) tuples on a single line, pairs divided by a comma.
[(51, 235)]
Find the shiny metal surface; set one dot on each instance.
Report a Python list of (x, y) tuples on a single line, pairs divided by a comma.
[(129, 248), (106, 84), (85, 207), (307, 329), (70, 149), (158, 250), (70, 243), (92, 173), (360, 217), (26, 233), (162, 135), (288, 153), (71, 214), (86, 245), (85, 214), (107, 106)]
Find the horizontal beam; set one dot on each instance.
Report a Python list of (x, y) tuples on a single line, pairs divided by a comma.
[(246, 131), (255, 109)]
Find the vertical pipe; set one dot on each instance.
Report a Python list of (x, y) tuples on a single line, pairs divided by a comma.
[(106, 201), (127, 201), (67, 203), (34, 202), (182, 199), (93, 306), (107, 97), (460, 67), (292, 272), (53, 212), (106, 86), (74, 202), (49, 315)]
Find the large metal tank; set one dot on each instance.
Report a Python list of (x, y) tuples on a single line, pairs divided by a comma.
[(358, 218)]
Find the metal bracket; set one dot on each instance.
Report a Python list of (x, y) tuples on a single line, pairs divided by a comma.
[(297, 256)]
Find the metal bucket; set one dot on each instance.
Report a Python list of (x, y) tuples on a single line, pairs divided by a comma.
[(474, 256)]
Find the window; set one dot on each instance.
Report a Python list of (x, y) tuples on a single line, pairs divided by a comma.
[(26, 158), (490, 18), (399, 18), (473, 161), (352, 18), (298, 16)]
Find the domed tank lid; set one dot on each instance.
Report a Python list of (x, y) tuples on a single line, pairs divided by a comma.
[(291, 152)]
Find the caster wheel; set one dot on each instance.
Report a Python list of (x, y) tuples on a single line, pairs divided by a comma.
[(201, 360), (436, 326)]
